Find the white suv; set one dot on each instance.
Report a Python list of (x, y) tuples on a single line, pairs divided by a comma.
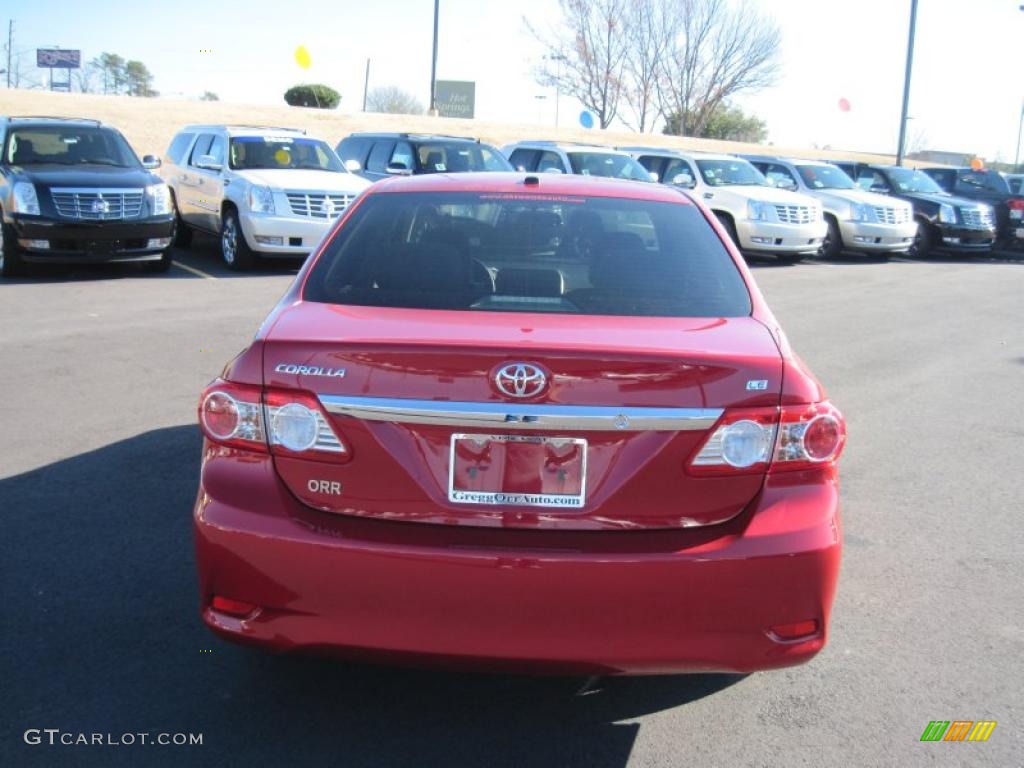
[(580, 159), (858, 220), (759, 217), (262, 191)]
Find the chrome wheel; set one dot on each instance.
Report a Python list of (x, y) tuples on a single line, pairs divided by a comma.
[(229, 240)]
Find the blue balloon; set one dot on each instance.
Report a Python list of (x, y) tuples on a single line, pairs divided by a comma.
[(586, 119)]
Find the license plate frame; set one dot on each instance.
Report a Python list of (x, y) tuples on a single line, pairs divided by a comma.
[(568, 501)]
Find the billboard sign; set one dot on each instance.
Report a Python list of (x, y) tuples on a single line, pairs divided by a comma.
[(58, 58), (455, 98)]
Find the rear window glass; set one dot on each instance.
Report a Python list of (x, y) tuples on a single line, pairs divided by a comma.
[(69, 145), (459, 157), (529, 253)]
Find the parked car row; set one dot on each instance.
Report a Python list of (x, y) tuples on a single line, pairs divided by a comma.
[(72, 190)]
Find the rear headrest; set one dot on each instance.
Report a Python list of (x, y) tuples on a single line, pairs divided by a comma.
[(423, 266), (529, 282), (623, 264), (589, 221)]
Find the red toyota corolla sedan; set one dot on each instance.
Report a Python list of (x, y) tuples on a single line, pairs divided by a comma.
[(519, 422)]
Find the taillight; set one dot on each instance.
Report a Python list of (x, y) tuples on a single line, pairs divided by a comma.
[(297, 426), (809, 436), (288, 423), (748, 440), (1017, 204), (742, 443), (232, 415)]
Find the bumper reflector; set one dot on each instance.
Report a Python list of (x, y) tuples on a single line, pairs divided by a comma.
[(41, 244), (226, 605), (795, 631), (158, 242), (267, 240)]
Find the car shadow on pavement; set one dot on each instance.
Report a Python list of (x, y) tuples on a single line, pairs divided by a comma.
[(101, 634)]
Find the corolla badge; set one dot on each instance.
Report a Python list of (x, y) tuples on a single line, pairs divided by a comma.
[(520, 380), (310, 370)]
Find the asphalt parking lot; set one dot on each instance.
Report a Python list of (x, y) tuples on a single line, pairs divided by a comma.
[(100, 370)]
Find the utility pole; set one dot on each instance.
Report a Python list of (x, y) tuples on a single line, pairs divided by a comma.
[(1020, 125), (10, 45), (433, 66), (366, 84), (906, 81)]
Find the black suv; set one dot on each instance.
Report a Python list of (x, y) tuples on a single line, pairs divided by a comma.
[(379, 155), (73, 191), (989, 187), (944, 222)]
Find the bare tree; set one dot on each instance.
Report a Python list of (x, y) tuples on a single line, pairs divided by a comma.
[(392, 100), (592, 49), (84, 79), (719, 50), (650, 32)]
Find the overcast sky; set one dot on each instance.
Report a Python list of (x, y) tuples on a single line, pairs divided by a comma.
[(966, 93)]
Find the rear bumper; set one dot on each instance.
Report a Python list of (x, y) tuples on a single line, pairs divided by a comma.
[(579, 602), (877, 238), (82, 242), (963, 239), (768, 237), (298, 235)]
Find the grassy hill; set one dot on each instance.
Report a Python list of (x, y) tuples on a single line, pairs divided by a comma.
[(149, 124)]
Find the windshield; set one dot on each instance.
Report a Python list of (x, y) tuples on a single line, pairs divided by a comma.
[(69, 145), (905, 180), (989, 181), (723, 173), (459, 157), (252, 152), (825, 177), (509, 253), (607, 164)]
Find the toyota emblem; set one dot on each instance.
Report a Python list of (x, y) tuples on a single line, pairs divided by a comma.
[(99, 205), (520, 380)]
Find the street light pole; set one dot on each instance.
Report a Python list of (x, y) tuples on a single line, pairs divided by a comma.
[(433, 66), (366, 84), (906, 82), (1020, 126)]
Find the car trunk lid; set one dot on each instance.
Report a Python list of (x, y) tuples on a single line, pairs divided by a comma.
[(603, 444)]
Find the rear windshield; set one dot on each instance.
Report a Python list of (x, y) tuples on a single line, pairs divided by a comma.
[(503, 252), (266, 152), (607, 164), (69, 145), (459, 157)]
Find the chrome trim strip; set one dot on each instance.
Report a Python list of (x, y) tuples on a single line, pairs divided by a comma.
[(97, 190), (575, 418)]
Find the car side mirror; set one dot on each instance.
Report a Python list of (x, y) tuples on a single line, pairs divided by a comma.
[(653, 175), (208, 163), (521, 168), (399, 169), (151, 162), (552, 169), (787, 184), (881, 189), (353, 166), (684, 180)]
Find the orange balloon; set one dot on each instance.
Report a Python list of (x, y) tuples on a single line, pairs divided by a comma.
[(977, 164)]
